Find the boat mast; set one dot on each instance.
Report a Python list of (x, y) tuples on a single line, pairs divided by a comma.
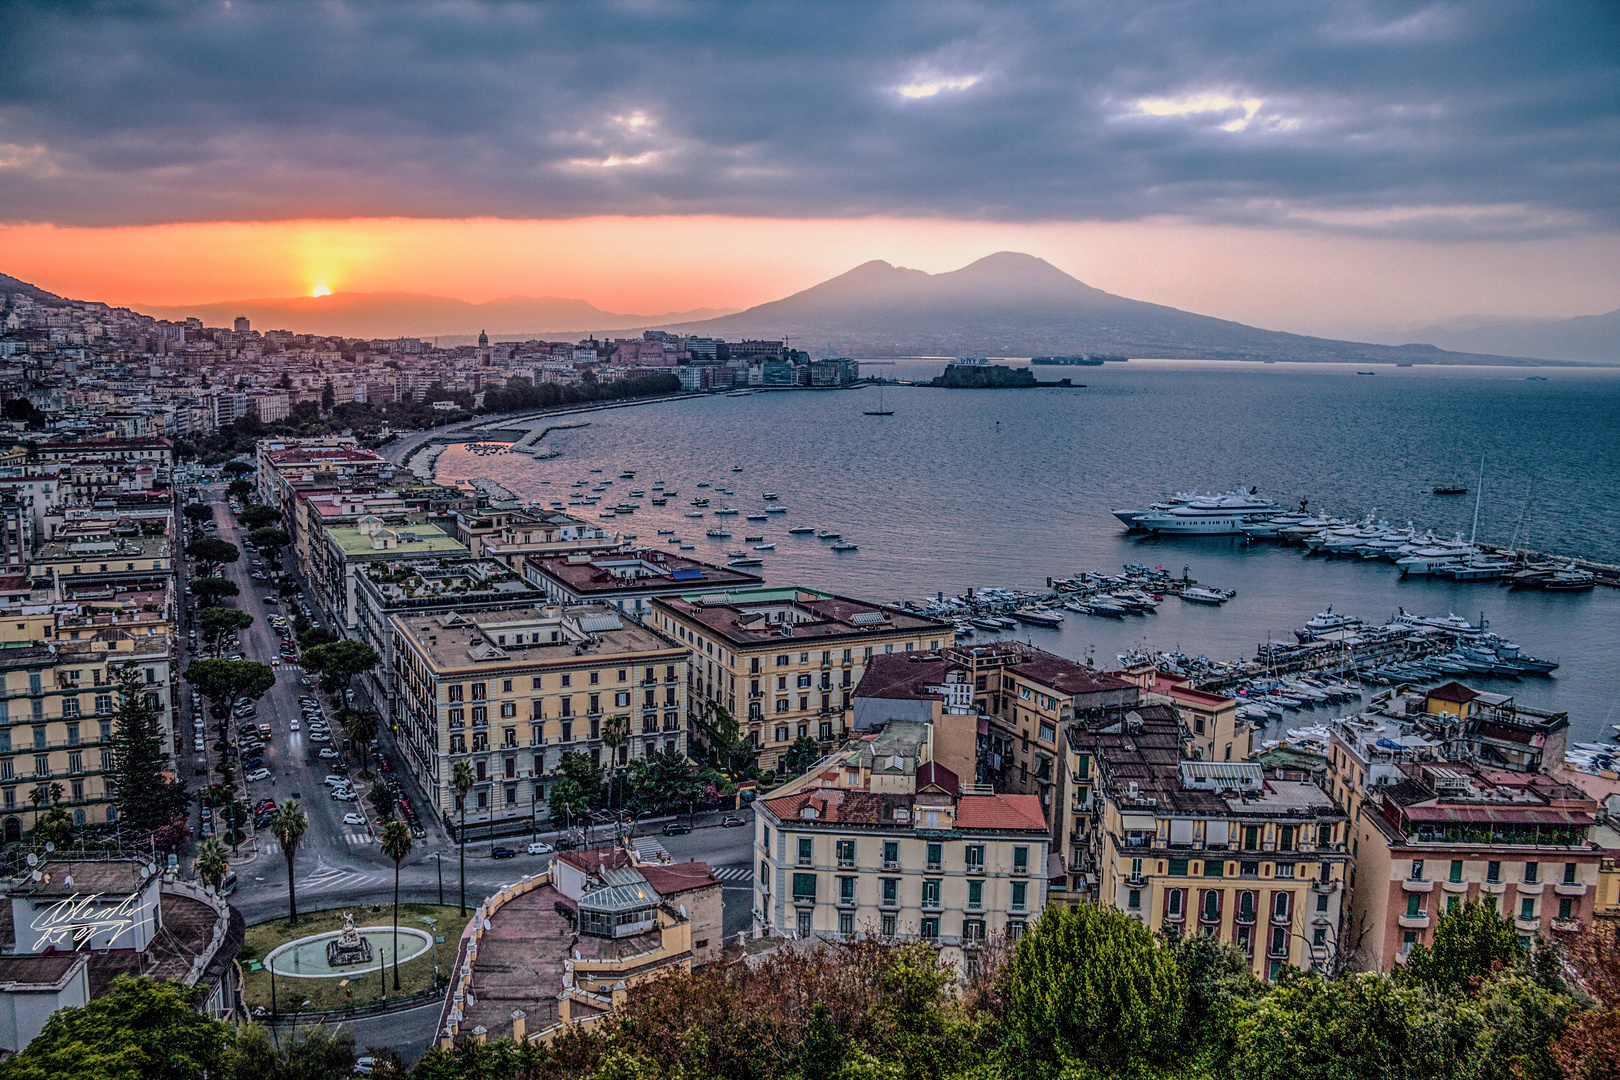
[(1479, 494)]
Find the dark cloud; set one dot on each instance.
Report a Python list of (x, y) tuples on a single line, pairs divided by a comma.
[(1469, 119)]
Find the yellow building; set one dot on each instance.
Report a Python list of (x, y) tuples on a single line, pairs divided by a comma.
[(104, 556), (60, 668), (511, 691), (785, 662), (1216, 848)]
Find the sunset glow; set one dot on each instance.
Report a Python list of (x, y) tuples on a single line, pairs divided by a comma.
[(320, 290)]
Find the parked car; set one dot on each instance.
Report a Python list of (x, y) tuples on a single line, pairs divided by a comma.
[(320, 736), (197, 744), (676, 828), (499, 852), (354, 819), (328, 752), (730, 822), (345, 795), (334, 780), (540, 847), (257, 774)]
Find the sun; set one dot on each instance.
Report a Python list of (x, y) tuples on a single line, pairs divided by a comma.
[(321, 290)]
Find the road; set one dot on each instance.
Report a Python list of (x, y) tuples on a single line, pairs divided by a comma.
[(339, 864)]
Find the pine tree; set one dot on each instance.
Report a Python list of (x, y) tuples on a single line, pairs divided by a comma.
[(147, 799)]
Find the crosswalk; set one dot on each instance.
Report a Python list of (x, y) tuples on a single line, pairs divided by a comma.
[(271, 847), (336, 879), (357, 838), (734, 873)]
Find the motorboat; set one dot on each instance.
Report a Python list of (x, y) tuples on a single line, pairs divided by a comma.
[(801, 530), (758, 517), (753, 539), (1105, 609), (1038, 617), (718, 533), (1479, 568), (765, 547), (770, 495), (1325, 621), (1571, 579), (1200, 595), (776, 509), (666, 532), (1272, 528), (726, 511), (700, 502), (987, 624), (844, 545), (827, 534)]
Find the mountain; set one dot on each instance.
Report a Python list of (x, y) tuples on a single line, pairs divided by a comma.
[(1588, 338), (398, 314), (1010, 304), (9, 284)]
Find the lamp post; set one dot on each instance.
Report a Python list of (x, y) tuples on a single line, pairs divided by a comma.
[(438, 861), (433, 933)]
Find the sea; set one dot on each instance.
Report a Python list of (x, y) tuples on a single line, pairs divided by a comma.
[(973, 488)]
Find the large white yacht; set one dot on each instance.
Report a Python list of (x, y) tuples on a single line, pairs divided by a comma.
[(1437, 559), (1131, 518), (1219, 515)]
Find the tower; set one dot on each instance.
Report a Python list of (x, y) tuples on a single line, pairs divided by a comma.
[(483, 348)]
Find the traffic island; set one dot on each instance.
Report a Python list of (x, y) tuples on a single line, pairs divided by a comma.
[(308, 980)]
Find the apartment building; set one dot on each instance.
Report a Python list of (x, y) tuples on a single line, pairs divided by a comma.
[(785, 661), (513, 535), (629, 579), (1211, 719), (60, 665), (349, 549), (511, 691), (876, 840), (104, 556), (1447, 832), (1252, 857)]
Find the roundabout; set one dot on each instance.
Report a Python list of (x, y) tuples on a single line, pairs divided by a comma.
[(309, 957)]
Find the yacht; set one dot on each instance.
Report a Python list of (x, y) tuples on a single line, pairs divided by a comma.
[(726, 511), (1129, 518), (1571, 579), (844, 545), (718, 533), (758, 517), (1272, 528), (1452, 623), (1037, 617), (1432, 560), (1326, 621), (1223, 515), (770, 495), (801, 530), (776, 509), (1479, 568), (1199, 595)]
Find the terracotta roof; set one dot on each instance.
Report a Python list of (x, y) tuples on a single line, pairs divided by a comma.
[(1000, 812), (1454, 692), (1066, 676), (592, 859), (903, 676), (672, 879)]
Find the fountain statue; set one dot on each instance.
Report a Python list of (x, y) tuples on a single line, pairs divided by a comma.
[(348, 947)]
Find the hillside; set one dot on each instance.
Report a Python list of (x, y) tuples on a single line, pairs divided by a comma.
[(1593, 339)]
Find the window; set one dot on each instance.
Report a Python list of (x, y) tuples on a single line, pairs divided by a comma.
[(846, 923), (1133, 899), (1172, 903), (1417, 870), (1251, 837), (1566, 907), (1324, 836), (1279, 906), (1245, 906), (1212, 905), (975, 857), (804, 888), (806, 851), (936, 855), (803, 922), (1020, 860), (930, 893), (1279, 943), (538, 683), (1048, 732), (1456, 870), (1412, 902), (846, 853), (1532, 873), (846, 890), (1285, 840), (891, 894), (1493, 871), (1527, 908), (975, 895), (1569, 873), (1214, 868), (930, 929), (891, 854), (1178, 867)]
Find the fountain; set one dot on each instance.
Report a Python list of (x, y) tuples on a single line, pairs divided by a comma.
[(348, 947)]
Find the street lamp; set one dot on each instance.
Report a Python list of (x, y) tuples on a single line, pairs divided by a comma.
[(432, 933)]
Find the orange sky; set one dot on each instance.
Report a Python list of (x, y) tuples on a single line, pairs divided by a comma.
[(1300, 281)]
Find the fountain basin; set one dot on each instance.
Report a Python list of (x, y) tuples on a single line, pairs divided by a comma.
[(305, 958)]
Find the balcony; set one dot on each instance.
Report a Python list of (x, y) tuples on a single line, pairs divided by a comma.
[(1417, 885), (1420, 921), (1531, 888), (1495, 888), (1325, 886), (1567, 926), (1455, 886), (1245, 918), (1528, 926), (1570, 888), (846, 901)]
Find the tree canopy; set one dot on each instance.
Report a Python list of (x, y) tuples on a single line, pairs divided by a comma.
[(1469, 944), (210, 590), (147, 800), (339, 662), (259, 516), (211, 553), (198, 511), (219, 623)]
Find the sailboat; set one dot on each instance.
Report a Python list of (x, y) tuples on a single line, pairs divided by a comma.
[(880, 410)]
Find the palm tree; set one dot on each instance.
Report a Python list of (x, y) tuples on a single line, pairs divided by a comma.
[(615, 733), (288, 826), (396, 844), (461, 778), (211, 863)]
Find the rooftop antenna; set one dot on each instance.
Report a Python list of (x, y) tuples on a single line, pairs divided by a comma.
[(1478, 496)]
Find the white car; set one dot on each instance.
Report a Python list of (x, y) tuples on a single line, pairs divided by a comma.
[(292, 725), (197, 744), (540, 847), (354, 819), (343, 796), (328, 752), (319, 736), (257, 774)]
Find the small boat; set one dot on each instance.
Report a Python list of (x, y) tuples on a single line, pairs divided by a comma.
[(1037, 617), (704, 484), (736, 468), (628, 474), (749, 560), (844, 545), (770, 495), (726, 511), (660, 502), (880, 410), (666, 532), (765, 547), (718, 533), (700, 502), (1453, 490), (987, 624), (675, 540), (801, 530), (1366, 373), (753, 539), (736, 554), (658, 483), (757, 517), (688, 547), (827, 534), (1199, 595), (694, 513), (776, 509), (596, 470), (637, 493)]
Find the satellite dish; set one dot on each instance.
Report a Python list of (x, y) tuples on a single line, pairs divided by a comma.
[(151, 868), (146, 872), (37, 876), (33, 860), (50, 845)]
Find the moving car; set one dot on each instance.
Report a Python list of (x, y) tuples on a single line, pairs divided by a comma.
[(292, 725)]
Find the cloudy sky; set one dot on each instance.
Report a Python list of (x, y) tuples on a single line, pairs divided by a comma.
[(1312, 165)]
